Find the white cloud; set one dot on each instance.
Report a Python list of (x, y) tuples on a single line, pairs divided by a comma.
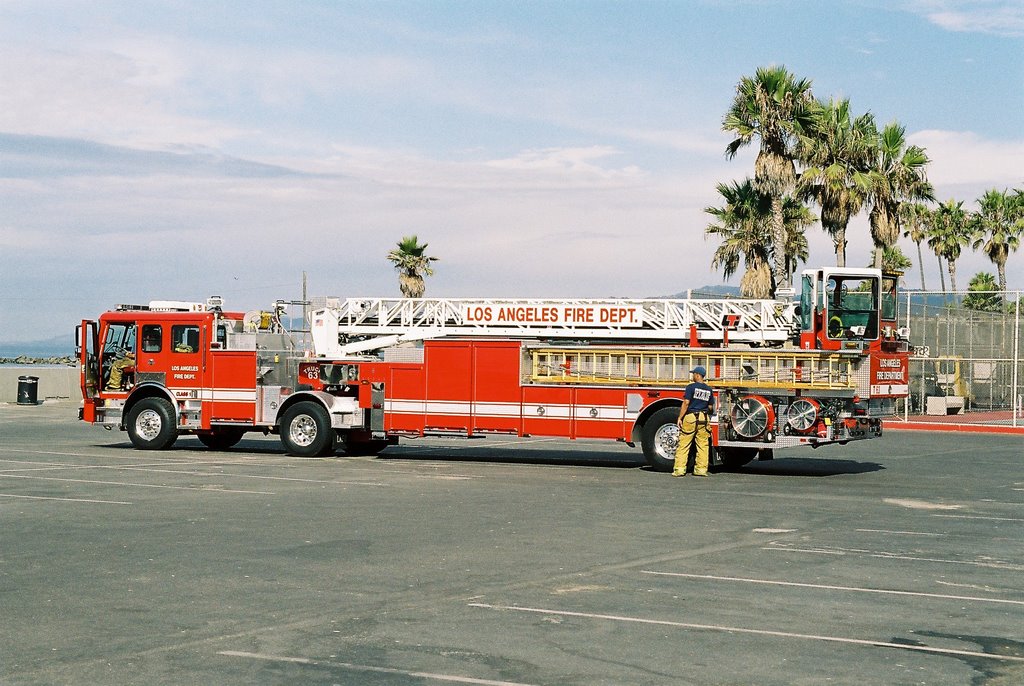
[(963, 158), (575, 162), (100, 95), (974, 16), (680, 140)]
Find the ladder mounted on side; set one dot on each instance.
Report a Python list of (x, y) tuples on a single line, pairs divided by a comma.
[(356, 325), (653, 366)]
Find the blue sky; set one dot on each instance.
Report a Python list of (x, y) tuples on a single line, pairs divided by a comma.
[(171, 150)]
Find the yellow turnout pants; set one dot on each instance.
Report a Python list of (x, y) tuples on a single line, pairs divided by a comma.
[(695, 424), (117, 372)]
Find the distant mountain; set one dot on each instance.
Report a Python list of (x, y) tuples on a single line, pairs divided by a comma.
[(719, 291), (57, 346)]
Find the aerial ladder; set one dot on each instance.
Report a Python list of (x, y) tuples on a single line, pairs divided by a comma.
[(355, 325), (744, 343)]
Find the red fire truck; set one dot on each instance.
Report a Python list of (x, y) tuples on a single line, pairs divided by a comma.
[(823, 369)]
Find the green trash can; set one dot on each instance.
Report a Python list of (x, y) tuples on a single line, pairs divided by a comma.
[(28, 390)]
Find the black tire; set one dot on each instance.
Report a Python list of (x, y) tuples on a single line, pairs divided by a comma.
[(221, 439), (306, 430), (659, 438), (151, 424), (734, 458)]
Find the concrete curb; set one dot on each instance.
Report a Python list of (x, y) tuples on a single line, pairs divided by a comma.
[(965, 428), (55, 383)]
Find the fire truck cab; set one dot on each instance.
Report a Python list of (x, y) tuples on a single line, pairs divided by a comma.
[(171, 368)]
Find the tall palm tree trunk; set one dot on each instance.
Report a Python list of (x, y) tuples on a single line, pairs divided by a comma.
[(952, 274), (942, 273), (920, 264), (840, 242), (779, 271)]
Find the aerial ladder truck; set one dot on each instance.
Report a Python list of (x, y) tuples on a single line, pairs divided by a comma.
[(822, 370)]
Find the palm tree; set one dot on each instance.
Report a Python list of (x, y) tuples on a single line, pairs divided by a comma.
[(412, 264), (897, 176), (982, 294), (915, 217), (837, 150), (797, 217), (997, 230), (775, 107), (894, 260), (948, 234), (744, 224)]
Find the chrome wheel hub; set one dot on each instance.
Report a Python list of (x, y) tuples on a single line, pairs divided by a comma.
[(148, 425), (666, 440), (302, 431)]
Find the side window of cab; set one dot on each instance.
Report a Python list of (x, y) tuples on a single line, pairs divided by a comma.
[(152, 338), (185, 338)]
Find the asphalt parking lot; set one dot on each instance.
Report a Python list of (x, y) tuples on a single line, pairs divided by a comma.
[(505, 561)]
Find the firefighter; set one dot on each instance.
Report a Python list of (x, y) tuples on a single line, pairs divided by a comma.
[(117, 370), (693, 421)]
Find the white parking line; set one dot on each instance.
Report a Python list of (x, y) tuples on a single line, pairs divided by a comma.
[(996, 564), (69, 500), (756, 632), (995, 519), (205, 489), (185, 464), (226, 475), (186, 472), (369, 668), (828, 587), (901, 533)]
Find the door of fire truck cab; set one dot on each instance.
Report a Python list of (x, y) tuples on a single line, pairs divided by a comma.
[(173, 353), (86, 345), (889, 316)]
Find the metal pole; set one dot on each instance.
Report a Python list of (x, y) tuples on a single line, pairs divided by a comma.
[(305, 316), (910, 388), (1017, 355)]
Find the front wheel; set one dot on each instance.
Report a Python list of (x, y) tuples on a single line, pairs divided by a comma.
[(306, 430), (151, 424), (660, 437)]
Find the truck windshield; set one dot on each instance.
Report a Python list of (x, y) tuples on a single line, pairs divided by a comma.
[(120, 339), (852, 307)]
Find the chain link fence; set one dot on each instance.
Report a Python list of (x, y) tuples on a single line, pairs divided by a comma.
[(966, 365)]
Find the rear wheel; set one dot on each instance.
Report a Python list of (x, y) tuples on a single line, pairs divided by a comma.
[(221, 439), (306, 430), (660, 437), (151, 424)]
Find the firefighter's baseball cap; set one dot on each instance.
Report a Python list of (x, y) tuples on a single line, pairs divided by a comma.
[(699, 370)]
